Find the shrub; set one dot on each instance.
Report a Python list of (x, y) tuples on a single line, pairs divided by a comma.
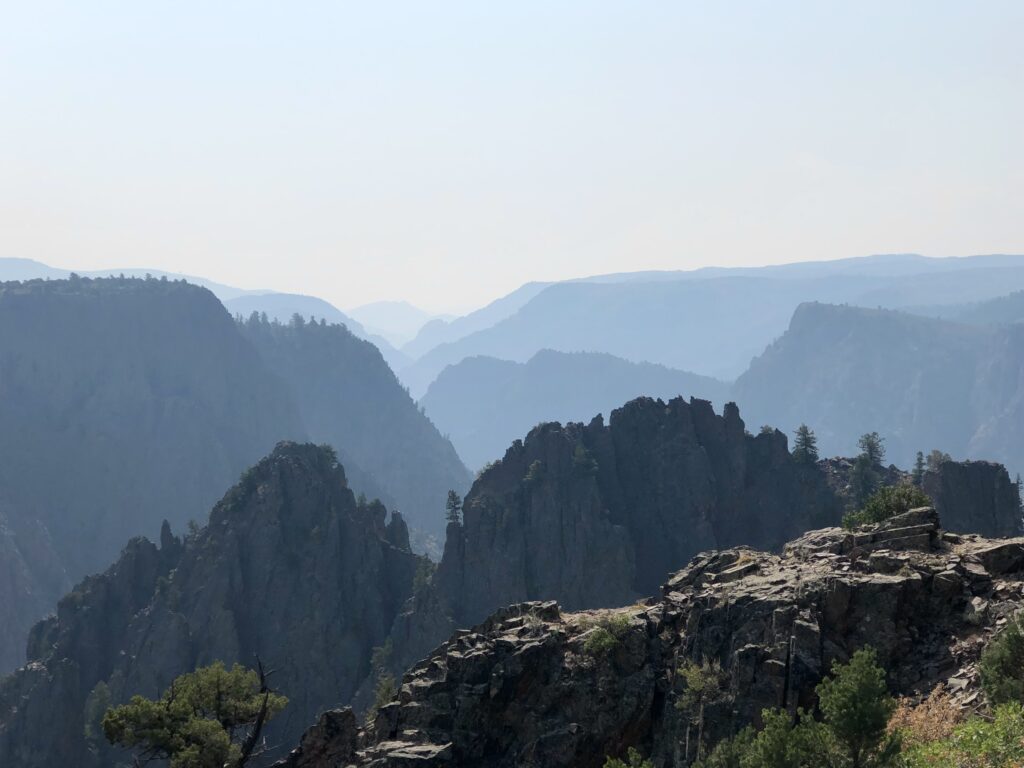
[(1002, 665), (634, 758), (978, 743), (607, 633), (887, 502)]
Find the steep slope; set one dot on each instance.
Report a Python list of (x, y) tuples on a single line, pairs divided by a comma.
[(440, 331), (711, 325), (288, 561), (922, 383), (122, 403), (483, 404), (125, 402), (349, 398), (283, 306), (31, 576), (528, 687)]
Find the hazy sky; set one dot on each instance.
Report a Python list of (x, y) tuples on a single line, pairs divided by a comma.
[(445, 152)]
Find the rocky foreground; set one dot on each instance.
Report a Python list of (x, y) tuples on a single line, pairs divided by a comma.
[(532, 686)]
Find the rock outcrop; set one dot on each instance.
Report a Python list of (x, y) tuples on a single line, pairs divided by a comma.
[(531, 688), (592, 515), (975, 496), (970, 496), (290, 569)]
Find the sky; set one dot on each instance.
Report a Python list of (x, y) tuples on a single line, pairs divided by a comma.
[(445, 153)]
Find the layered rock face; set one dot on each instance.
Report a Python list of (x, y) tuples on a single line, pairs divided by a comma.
[(592, 515), (975, 496), (530, 688), (289, 569)]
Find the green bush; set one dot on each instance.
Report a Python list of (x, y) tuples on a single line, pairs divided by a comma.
[(885, 503), (979, 743), (606, 635), (856, 708), (1002, 665), (634, 758)]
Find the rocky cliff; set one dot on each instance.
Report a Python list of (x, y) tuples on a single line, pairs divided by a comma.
[(970, 496), (125, 402), (122, 403), (975, 496), (290, 569), (348, 397), (534, 687), (592, 515)]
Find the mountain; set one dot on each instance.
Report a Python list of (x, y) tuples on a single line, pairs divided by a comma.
[(1001, 310), (290, 568), (238, 301), (595, 515), (349, 398), (535, 685), (712, 325), (396, 321), (284, 306), (125, 402), (482, 404), (12, 269), (440, 331), (293, 568), (848, 370)]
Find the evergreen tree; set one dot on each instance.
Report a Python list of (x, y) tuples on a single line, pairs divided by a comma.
[(918, 473), (936, 459), (1020, 502), (210, 718), (1002, 665), (872, 448), (453, 507), (633, 760), (805, 447), (856, 707)]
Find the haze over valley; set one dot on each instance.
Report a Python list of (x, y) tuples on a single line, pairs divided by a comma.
[(512, 385)]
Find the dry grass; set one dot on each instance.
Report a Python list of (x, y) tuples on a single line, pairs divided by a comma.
[(931, 720)]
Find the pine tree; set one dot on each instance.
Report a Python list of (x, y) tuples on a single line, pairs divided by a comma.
[(805, 447), (936, 459), (1020, 503), (872, 448), (453, 507), (211, 717), (856, 706), (918, 473)]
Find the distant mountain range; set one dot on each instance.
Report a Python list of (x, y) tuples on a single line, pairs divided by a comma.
[(238, 301), (711, 322), (922, 383), (396, 321), (482, 404)]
